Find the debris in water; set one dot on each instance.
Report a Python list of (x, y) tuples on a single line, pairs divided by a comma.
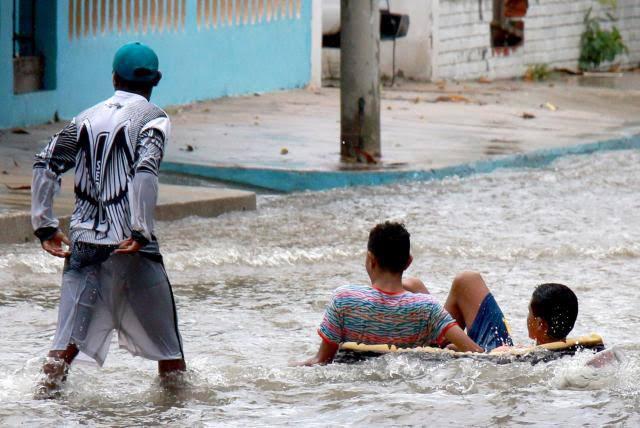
[(284, 151), (526, 115), (485, 80), (549, 106), (188, 148), (20, 131)]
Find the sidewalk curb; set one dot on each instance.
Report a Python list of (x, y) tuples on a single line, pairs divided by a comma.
[(288, 181), (16, 227)]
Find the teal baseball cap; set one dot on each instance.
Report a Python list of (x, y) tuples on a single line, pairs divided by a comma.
[(136, 62)]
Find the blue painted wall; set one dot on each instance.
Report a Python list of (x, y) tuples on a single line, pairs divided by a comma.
[(198, 62)]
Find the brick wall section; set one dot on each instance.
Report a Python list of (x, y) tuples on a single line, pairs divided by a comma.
[(552, 36)]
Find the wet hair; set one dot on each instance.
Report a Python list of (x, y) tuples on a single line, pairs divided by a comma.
[(557, 305), (389, 242), (141, 88)]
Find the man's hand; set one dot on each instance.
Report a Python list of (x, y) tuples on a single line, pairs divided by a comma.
[(128, 246), (53, 246), (325, 355)]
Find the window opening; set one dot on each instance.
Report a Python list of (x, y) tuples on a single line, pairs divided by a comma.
[(34, 45), (507, 26)]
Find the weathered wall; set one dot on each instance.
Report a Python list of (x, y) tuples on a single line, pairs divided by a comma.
[(552, 36), (413, 52), (206, 50), (450, 39)]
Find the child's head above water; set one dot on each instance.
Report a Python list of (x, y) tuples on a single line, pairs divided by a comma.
[(552, 313), (389, 244)]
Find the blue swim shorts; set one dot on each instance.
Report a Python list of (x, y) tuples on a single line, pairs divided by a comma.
[(490, 328)]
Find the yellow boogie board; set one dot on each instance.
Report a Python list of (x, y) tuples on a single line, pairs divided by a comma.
[(352, 351)]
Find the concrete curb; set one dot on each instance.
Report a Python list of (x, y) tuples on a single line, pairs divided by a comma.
[(16, 227), (299, 180)]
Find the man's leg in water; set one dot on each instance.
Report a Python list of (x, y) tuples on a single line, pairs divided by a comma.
[(56, 367), (467, 292), (170, 367)]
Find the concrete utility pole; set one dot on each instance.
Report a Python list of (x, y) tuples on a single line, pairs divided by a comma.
[(360, 81)]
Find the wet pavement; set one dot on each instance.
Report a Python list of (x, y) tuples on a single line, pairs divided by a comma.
[(424, 125)]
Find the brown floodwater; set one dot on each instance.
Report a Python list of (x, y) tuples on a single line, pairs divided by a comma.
[(251, 287)]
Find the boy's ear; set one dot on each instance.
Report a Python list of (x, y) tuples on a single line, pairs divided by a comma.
[(371, 260), (542, 325), (409, 262)]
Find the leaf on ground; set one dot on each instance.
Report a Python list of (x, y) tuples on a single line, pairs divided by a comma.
[(19, 187), (452, 99)]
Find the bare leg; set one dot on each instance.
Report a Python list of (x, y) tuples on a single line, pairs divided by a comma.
[(468, 290), (414, 285), (169, 367), (55, 370)]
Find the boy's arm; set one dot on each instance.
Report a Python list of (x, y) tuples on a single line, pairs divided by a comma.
[(331, 332), (143, 188), (57, 157), (325, 354), (460, 340)]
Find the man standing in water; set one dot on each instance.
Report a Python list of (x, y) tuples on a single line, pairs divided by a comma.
[(113, 277)]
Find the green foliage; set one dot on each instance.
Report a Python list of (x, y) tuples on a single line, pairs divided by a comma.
[(611, 3), (599, 45), (537, 72)]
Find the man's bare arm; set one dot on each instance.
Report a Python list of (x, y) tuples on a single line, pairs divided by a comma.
[(326, 352), (461, 341)]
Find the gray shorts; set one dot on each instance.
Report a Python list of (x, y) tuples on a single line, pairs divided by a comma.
[(130, 294)]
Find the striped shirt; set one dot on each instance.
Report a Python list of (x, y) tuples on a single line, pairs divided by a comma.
[(365, 314)]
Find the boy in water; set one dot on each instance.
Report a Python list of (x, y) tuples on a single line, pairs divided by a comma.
[(552, 311), (113, 277), (384, 312)]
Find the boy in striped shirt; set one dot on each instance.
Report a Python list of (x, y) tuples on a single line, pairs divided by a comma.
[(384, 312)]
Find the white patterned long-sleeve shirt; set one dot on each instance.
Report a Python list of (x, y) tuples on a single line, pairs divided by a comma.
[(116, 148)]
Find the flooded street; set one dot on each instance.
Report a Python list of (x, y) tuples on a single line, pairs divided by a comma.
[(251, 289)]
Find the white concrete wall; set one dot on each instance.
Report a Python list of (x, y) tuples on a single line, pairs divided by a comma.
[(316, 44), (450, 39), (552, 36), (413, 52)]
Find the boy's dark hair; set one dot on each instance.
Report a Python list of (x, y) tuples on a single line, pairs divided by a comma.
[(558, 306), (389, 243)]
